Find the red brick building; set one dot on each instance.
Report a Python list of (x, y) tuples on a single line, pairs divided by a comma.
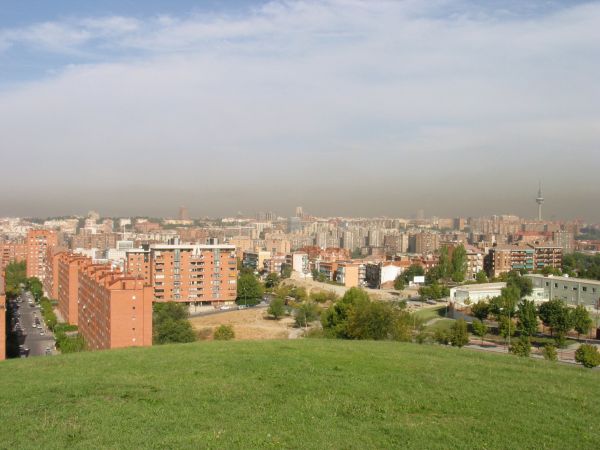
[(38, 242)]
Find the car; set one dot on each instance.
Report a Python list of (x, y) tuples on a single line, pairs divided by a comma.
[(431, 302)]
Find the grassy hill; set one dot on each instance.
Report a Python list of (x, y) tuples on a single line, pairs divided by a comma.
[(296, 394)]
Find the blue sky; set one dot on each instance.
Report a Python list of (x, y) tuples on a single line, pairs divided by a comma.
[(136, 107)]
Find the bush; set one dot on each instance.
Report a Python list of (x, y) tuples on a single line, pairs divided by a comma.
[(459, 335), (170, 324), (276, 308), (588, 355), (522, 347), (224, 333), (307, 312), (441, 337), (549, 352)]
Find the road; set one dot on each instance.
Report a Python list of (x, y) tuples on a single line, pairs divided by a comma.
[(36, 342)]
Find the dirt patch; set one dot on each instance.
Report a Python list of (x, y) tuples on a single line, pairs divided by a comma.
[(247, 324)]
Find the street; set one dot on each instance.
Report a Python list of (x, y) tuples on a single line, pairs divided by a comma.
[(31, 337)]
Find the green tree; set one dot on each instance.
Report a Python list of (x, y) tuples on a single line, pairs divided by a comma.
[(481, 277), (557, 315), (286, 271), (224, 333), (505, 327), (480, 329), (35, 287), (481, 310), (549, 352), (372, 320), (527, 324), (272, 281), (249, 291), (588, 355), (413, 270), (170, 324), (335, 318), (459, 264), (459, 334), (276, 308), (306, 313), (582, 322), (523, 284), (444, 266), (521, 347), (399, 283)]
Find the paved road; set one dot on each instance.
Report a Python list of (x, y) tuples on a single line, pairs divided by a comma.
[(36, 342)]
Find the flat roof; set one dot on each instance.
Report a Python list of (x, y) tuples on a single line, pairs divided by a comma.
[(481, 287), (559, 278)]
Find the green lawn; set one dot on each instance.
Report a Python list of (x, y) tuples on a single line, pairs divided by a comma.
[(434, 312), (297, 394)]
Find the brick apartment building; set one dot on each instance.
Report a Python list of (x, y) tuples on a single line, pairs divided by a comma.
[(12, 252), (38, 242), (504, 258), (68, 267), (187, 272), (114, 310)]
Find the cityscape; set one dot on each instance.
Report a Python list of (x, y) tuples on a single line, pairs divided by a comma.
[(299, 224)]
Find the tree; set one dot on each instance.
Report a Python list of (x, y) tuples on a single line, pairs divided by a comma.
[(276, 308), (481, 310), (459, 264), (307, 312), (481, 277), (444, 266), (557, 315), (35, 287), (523, 284), (549, 352), (372, 320), (434, 291), (399, 284), (522, 347), (272, 281), (459, 335), (480, 329), (527, 315), (582, 322), (413, 270), (335, 318), (249, 291), (286, 271), (224, 333), (588, 355), (170, 324), (505, 327)]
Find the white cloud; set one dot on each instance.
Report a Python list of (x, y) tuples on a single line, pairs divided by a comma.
[(312, 87)]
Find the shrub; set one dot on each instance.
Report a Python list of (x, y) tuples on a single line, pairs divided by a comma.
[(459, 335), (307, 312), (276, 308), (441, 337), (522, 347), (224, 333), (549, 352), (588, 355)]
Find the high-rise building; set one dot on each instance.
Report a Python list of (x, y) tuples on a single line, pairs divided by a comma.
[(38, 243), (183, 213), (187, 272), (299, 212)]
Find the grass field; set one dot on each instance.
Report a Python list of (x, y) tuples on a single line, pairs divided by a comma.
[(297, 394)]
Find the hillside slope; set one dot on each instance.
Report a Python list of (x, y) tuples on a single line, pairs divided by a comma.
[(296, 394)]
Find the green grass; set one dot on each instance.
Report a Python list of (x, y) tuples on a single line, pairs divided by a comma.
[(442, 324), (297, 394), (434, 312)]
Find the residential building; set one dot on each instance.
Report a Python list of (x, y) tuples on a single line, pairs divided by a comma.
[(12, 251), (38, 243), (114, 310), (349, 274), (187, 272), (69, 266), (255, 260), (504, 258)]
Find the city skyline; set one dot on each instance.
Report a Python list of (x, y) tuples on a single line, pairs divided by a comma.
[(348, 108)]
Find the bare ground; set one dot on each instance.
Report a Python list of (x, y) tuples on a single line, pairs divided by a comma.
[(247, 324)]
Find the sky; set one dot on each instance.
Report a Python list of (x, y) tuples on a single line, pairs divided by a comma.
[(346, 107)]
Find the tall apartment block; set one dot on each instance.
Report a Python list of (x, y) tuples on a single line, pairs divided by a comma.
[(38, 242), (187, 272), (502, 259), (12, 252), (114, 310), (68, 267)]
